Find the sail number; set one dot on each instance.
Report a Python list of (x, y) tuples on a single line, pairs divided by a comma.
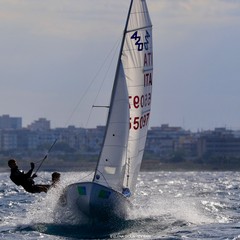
[(139, 122), (140, 101), (138, 40)]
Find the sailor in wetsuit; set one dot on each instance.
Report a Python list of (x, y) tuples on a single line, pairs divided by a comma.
[(26, 179)]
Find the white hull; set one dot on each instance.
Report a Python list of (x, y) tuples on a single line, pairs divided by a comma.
[(96, 202)]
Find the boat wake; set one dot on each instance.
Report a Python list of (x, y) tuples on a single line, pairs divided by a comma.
[(202, 207), (157, 212)]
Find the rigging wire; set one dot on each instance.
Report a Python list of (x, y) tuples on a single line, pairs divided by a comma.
[(114, 49), (104, 178), (92, 81), (83, 95), (87, 175)]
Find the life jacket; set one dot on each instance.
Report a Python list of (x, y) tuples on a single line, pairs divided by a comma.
[(20, 179)]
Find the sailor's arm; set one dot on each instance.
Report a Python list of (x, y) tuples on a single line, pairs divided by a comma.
[(29, 173)]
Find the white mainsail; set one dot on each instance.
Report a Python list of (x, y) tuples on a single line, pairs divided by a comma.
[(120, 160)]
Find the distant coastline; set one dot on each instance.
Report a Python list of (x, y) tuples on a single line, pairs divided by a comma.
[(147, 165)]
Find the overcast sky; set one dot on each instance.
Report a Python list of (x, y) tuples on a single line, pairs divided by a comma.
[(58, 57)]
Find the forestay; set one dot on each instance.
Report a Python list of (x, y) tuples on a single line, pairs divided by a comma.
[(121, 155)]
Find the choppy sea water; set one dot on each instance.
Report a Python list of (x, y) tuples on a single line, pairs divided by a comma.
[(168, 205)]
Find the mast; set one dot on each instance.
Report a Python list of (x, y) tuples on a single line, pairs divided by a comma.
[(115, 80), (122, 44)]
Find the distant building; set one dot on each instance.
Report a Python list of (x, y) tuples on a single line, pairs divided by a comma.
[(7, 122), (74, 137), (220, 142), (8, 140), (163, 140), (42, 124), (94, 138), (188, 146)]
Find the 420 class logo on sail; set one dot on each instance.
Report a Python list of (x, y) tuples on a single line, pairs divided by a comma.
[(139, 43)]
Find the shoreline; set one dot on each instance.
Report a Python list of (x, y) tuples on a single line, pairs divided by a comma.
[(147, 166)]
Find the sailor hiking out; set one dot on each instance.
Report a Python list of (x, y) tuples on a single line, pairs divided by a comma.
[(26, 179)]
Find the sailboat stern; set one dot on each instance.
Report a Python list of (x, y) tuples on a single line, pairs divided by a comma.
[(95, 201)]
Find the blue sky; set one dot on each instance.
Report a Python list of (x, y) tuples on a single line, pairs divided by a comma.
[(58, 57)]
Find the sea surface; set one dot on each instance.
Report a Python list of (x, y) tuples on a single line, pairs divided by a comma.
[(167, 205)]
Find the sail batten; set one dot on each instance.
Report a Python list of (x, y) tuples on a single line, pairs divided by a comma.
[(136, 29)]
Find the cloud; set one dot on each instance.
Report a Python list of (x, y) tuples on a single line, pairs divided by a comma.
[(61, 18)]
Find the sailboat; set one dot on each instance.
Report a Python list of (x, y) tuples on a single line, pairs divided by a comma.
[(110, 192)]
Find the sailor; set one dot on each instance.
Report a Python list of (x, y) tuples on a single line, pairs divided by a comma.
[(26, 179), (55, 178)]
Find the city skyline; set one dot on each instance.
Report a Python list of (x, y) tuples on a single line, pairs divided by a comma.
[(52, 54), (15, 123), (168, 143)]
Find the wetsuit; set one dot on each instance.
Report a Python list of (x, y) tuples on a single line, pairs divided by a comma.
[(26, 181)]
